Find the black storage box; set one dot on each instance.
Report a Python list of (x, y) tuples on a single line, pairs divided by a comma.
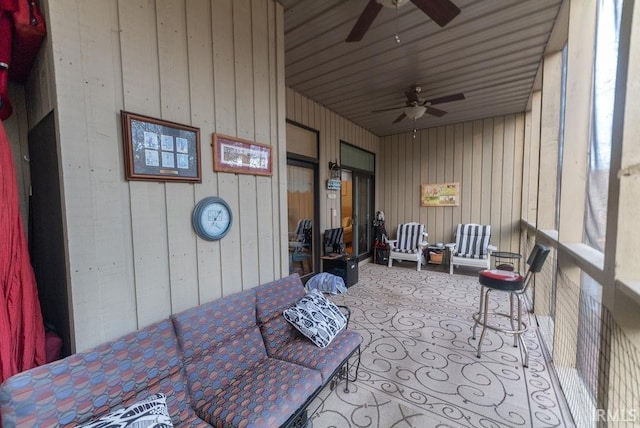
[(342, 267)]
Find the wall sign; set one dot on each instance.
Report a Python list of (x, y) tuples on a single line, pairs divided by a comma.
[(440, 195), (232, 154)]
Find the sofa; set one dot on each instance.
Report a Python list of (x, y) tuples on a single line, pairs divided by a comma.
[(232, 362)]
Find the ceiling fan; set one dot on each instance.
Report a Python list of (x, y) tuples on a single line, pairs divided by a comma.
[(415, 107), (441, 11)]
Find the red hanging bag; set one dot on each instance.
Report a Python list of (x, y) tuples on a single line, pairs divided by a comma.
[(6, 32), (29, 33)]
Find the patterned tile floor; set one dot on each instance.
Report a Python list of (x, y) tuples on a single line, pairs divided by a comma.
[(419, 366)]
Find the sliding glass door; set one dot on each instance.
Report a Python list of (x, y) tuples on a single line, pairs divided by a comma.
[(301, 191), (357, 212)]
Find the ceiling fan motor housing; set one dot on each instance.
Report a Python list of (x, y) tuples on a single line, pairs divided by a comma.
[(392, 3)]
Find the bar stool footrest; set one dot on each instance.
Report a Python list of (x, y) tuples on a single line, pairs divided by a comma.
[(478, 321)]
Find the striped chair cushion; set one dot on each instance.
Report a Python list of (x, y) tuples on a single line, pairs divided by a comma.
[(334, 240), (302, 225), (472, 240), (409, 236)]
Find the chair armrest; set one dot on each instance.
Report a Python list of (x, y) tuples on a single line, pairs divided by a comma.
[(348, 313), (451, 246), (392, 243), (491, 248), (422, 244)]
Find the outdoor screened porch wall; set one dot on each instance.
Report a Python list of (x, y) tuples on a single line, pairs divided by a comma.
[(484, 156), (332, 128), (133, 257)]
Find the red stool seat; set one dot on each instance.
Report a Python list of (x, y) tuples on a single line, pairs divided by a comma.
[(501, 280)]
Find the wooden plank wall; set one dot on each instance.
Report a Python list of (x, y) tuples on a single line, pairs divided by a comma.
[(484, 156), (217, 65), (332, 128)]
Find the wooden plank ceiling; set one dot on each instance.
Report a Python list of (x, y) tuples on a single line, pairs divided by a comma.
[(490, 52)]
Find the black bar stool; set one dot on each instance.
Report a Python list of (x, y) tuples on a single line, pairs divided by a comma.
[(516, 285)]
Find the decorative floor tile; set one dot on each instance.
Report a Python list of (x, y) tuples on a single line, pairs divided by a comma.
[(419, 366)]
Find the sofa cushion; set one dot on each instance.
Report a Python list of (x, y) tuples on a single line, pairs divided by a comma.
[(271, 300), (148, 413), (265, 396), (232, 380), (284, 342), (90, 384), (303, 352), (316, 318), (219, 340)]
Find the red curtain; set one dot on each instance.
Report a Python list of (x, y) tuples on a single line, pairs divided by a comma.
[(22, 344)]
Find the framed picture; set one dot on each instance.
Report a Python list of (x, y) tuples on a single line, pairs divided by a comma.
[(159, 150), (232, 154), (440, 195)]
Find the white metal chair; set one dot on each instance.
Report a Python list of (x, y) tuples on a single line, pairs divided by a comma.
[(411, 239), (472, 247)]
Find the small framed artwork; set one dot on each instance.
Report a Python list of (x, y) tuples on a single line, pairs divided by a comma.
[(232, 154), (440, 195), (159, 150)]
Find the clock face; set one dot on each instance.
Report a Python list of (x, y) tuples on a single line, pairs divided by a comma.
[(212, 218)]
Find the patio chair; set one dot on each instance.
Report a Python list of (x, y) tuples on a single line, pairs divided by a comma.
[(411, 239), (471, 247), (300, 243)]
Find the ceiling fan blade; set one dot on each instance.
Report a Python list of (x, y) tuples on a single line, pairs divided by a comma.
[(365, 20), (445, 99), (435, 111), (387, 109), (399, 118), (441, 11)]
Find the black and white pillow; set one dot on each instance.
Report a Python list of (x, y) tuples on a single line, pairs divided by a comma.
[(149, 413), (317, 318)]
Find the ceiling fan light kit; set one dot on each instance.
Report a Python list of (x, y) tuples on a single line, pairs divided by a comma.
[(415, 112), (415, 107)]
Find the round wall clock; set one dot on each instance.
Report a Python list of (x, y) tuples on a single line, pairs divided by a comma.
[(211, 218)]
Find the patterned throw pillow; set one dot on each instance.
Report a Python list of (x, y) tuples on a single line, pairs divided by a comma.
[(327, 283), (317, 318), (149, 413)]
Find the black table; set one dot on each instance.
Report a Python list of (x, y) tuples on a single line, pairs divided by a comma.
[(505, 260)]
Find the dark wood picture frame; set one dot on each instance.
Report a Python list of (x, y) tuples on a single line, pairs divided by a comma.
[(233, 154), (159, 150)]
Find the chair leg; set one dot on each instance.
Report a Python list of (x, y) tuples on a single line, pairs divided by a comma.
[(524, 347), (485, 320), (475, 324), (512, 318)]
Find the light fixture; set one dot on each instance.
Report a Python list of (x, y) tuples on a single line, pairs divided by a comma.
[(415, 111)]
